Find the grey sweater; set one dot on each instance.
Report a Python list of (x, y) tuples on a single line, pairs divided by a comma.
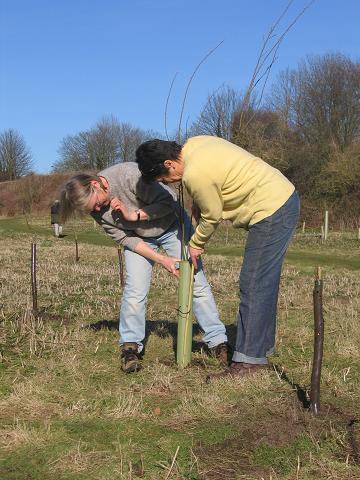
[(156, 199)]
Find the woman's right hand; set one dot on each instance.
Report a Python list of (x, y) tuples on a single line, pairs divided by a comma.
[(170, 263)]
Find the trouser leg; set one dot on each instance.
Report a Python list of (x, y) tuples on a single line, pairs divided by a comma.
[(133, 304), (265, 249)]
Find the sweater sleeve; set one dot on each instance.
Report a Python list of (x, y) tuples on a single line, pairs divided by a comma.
[(207, 195), (158, 200), (126, 239), (122, 237)]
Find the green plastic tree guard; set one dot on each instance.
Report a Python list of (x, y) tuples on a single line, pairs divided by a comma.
[(185, 299)]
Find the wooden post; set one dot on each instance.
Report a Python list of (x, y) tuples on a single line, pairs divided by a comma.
[(33, 278), (303, 227), (358, 234), (121, 266), (185, 299), (322, 233), (318, 344), (326, 225), (77, 258)]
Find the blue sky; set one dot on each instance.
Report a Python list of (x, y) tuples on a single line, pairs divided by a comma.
[(64, 64)]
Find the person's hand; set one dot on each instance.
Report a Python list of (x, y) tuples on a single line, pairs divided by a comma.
[(119, 206), (170, 263), (195, 253)]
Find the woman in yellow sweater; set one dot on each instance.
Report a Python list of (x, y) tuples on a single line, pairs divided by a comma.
[(229, 183)]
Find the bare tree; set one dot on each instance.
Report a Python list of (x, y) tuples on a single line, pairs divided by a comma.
[(320, 103), (217, 116), (321, 100), (107, 143), (15, 156)]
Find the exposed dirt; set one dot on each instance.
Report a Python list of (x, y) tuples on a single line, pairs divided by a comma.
[(233, 458)]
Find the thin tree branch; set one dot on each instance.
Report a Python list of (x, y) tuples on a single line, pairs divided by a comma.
[(166, 105), (189, 83)]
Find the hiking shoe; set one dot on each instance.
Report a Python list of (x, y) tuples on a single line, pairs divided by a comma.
[(238, 370), (221, 353), (130, 358)]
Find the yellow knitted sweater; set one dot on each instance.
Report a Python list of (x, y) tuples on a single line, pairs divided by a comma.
[(229, 183)]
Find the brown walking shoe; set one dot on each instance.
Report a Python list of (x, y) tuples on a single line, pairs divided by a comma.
[(130, 358), (221, 353), (238, 369)]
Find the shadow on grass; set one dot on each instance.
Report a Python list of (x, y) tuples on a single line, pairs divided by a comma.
[(300, 391), (165, 328)]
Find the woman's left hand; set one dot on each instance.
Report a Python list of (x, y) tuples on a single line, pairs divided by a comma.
[(195, 253), (119, 206)]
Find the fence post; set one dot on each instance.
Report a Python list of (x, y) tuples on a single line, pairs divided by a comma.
[(326, 225), (77, 258)]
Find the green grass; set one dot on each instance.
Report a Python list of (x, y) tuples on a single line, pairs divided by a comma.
[(68, 412), (302, 257), (307, 250)]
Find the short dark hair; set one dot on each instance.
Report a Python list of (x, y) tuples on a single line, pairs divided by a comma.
[(151, 155)]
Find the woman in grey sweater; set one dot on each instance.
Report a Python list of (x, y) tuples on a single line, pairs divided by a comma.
[(142, 218)]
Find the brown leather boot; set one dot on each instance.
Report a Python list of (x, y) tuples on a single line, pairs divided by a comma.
[(130, 359), (221, 353), (239, 369)]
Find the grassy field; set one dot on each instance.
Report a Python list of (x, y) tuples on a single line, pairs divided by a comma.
[(68, 412)]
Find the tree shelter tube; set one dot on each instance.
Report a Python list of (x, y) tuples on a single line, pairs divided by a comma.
[(185, 300)]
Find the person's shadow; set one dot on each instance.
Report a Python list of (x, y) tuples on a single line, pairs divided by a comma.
[(163, 329)]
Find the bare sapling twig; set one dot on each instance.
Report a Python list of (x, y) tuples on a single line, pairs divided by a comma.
[(121, 266), (33, 279), (167, 104), (318, 344), (265, 61), (187, 88)]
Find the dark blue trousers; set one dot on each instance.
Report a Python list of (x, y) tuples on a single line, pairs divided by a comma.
[(265, 249)]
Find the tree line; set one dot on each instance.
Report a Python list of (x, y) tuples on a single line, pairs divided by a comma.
[(308, 126)]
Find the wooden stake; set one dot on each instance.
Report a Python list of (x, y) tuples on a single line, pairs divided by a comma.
[(77, 258), (33, 278), (121, 267), (318, 344)]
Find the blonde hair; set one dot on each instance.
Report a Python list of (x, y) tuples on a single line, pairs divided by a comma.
[(76, 193)]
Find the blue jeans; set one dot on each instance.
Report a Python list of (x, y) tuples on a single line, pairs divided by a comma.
[(138, 277), (265, 249)]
